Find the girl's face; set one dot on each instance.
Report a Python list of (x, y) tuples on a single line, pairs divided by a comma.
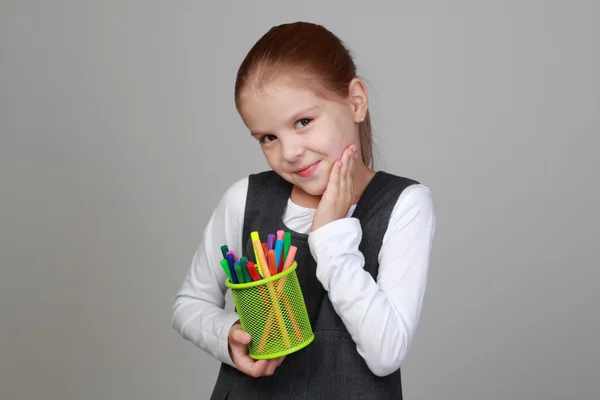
[(300, 134)]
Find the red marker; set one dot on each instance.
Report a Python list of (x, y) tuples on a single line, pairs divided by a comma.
[(252, 270)]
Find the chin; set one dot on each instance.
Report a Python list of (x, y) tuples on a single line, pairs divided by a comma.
[(313, 188)]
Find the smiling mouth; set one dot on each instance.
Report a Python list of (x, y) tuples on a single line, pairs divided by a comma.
[(308, 171)]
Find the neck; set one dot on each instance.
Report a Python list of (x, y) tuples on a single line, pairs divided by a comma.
[(362, 177)]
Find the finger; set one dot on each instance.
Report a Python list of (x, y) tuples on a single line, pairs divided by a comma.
[(270, 367), (352, 164), (280, 360), (239, 336), (242, 361), (334, 178), (347, 178), (346, 157), (351, 170), (259, 367), (344, 170), (250, 366)]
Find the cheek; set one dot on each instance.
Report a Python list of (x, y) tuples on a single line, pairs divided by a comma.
[(274, 158), (345, 135), (336, 145), (331, 142), (274, 162), (269, 157)]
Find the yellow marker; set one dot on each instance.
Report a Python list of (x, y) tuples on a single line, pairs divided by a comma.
[(254, 237), (261, 260)]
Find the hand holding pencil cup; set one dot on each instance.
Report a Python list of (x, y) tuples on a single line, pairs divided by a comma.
[(268, 297)]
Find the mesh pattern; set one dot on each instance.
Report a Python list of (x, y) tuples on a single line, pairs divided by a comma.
[(274, 314)]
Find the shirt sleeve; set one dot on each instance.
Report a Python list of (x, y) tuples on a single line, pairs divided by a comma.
[(380, 314), (199, 310)]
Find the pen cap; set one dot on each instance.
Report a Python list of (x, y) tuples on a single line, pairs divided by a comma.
[(273, 312)]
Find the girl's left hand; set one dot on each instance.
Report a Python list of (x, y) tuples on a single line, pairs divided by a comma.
[(339, 194)]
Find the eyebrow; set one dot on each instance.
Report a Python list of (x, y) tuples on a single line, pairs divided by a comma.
[(293, 118), (297, 115)]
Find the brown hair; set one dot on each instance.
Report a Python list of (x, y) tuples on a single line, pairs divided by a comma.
[(313, 51)]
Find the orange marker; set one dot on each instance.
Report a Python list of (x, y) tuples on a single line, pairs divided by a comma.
[(286, 303), (262, 260), (271, 261), (272, 295), (290, 257)]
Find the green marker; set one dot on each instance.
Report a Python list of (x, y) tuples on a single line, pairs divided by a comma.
[(243, 263), (287, 242), (238, 272), (224, 250), (225, 266)]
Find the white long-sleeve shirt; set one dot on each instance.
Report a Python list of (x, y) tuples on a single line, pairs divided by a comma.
[(381, 315)]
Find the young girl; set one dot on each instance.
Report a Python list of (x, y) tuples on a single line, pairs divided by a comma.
[(363, 237)]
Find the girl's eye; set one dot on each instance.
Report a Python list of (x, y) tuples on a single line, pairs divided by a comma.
[(267, 138), (303, 122)]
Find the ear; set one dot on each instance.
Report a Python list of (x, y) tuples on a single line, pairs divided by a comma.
[(358, 98)]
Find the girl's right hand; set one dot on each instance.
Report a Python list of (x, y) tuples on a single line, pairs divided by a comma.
[(238, 347)]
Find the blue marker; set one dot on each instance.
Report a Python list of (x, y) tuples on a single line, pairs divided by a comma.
[(278, 250), (232, 268)]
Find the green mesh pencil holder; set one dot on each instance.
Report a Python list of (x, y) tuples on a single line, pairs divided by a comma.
[(273, 312)]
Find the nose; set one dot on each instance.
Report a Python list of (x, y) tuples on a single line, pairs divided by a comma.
[(291, 150)]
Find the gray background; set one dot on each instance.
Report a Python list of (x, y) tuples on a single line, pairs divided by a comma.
[(119, 135)]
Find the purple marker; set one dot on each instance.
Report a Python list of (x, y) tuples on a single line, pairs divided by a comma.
[(270, 241)]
